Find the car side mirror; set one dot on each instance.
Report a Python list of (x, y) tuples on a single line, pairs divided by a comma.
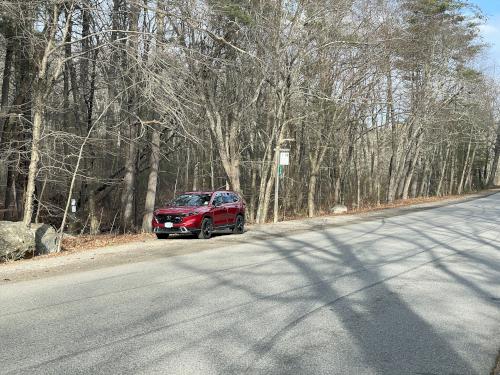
[(217, 204)]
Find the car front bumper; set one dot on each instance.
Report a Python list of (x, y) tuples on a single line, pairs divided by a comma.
[(174, 230)]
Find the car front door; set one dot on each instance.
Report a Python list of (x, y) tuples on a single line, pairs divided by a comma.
[(219, 210), (231, 204)]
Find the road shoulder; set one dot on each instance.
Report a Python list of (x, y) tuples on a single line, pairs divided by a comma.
[(150, 249)]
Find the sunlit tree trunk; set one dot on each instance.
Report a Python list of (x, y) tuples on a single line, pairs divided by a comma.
[(154, 163)]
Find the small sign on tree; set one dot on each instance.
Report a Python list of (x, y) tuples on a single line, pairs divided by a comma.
[(285, 157)]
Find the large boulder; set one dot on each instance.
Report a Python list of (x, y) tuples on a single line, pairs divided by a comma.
[(338, 209), (16, 241), (46, 239)]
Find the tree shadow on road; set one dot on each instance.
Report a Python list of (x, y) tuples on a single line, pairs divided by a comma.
[(379, 322), (297, 306)]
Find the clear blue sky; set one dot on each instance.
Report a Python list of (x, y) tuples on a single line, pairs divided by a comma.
[(491, 31), (491, 6)]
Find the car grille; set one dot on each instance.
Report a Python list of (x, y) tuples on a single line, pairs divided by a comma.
[(169, 230), (162, 219)]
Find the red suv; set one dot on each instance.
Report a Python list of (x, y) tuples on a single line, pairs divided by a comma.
[(200, 213)]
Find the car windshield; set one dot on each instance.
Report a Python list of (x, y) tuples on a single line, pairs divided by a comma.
[(191, 200)]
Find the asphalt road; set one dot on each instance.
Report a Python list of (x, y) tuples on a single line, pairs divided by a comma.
[(413, 294)]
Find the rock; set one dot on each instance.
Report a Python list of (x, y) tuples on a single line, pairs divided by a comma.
[(338, 209), (46, 238), (15, 240)]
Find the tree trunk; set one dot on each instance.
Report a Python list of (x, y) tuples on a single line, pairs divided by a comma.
[(495, 175), (186, 169), (443, 170), (393, 166), (212, 172), (265, 169), (10, 194), (468, 179), (253, 189), (129, 181), (414, 186), (311, 194), (9, 53), (38, 208), (314, 163), (358, 183), (452, 173), (35, 154), (41, 87), (154, 163), (11, 134), (94, 223), (226, 148), (464, 169), (411, 169), (427, 173), (196, 172)]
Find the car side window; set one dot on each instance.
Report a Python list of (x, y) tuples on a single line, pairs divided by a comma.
[(218, 199), (234, 197), (227, 198)]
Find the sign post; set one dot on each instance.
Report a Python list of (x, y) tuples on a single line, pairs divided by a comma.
[(282, 158)]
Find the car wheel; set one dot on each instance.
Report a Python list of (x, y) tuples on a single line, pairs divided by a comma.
[(206, 229), (162, 236), (239, 227)]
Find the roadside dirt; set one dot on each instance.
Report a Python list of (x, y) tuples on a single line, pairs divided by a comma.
[(93, 252), (88, 242)]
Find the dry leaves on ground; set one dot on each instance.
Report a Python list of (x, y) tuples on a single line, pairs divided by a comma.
[(84, 242)]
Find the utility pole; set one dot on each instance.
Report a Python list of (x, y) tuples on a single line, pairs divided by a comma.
[(277, 183)]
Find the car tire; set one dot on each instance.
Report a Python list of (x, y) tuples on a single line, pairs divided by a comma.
[(239, 226), (206, 229), (162, 236)]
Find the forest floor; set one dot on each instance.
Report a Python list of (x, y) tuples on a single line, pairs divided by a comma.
[(91, 252)]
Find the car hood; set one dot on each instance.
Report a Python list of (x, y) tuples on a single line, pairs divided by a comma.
[(179, 210)]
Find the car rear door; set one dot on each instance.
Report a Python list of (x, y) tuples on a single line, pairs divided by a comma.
[(219, 211)]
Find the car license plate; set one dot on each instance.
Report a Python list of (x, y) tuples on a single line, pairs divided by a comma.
[(169, 225)]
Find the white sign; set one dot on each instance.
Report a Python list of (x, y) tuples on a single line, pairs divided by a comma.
[(284, 157)]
